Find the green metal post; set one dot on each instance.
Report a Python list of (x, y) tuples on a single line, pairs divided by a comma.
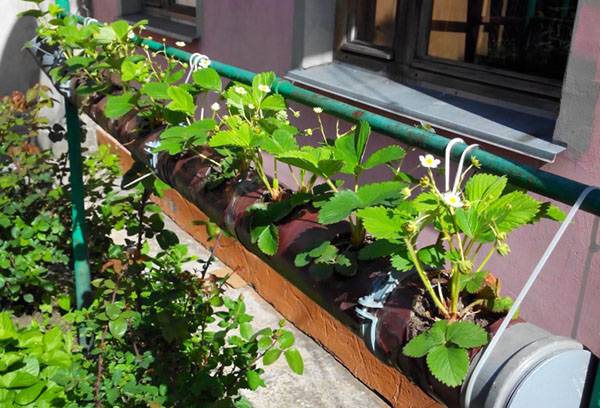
[(595, 400), (81, 266)]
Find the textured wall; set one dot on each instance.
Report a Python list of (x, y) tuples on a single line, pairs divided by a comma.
[(18, 71)]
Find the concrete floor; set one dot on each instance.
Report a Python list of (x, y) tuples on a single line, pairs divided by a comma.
[(325, 383)]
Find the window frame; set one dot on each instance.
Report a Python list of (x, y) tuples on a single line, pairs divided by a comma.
[(410, 64), (169, 9)]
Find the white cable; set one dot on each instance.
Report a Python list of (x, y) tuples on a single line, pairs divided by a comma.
[(137, 180), (449, 147), (517, 303), (460, 166)]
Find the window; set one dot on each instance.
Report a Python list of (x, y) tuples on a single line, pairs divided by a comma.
[(176, 19), (178, 9), (513, 51)]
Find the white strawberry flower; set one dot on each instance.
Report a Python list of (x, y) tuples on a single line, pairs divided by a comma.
[(240, 90), (180, 44), (452, 199), (317, 110), (429, 161), (215, 107), (264, 88)]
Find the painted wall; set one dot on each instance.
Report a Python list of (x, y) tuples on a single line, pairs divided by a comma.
[(18, 71), (259, 35)]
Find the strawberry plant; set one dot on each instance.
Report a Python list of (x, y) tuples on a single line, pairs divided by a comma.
[(469, 220)]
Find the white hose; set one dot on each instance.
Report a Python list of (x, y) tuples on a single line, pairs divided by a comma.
[(532, 278)]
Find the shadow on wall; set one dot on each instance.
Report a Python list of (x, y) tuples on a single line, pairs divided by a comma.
[(18, 71)]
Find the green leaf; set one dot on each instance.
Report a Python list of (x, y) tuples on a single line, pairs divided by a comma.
[(273, 103), (470, 223), (7, 327), (263, 78), (385, 155), (420, 345), (500, 304), (513, 210), (378, 249), (121, 29), (254, 380), (448, 364), (106, 35), (339, 207), (241, 137), (343, 203), (64, 302), (118, 106), (118, 327), (466, 334), (181, 100), (482, 189), (295, 361), (264, 342), (401, 262), (268, 240), (156, 90), (29, 395), (208, 78), (271, 356), (473, 282), (553, 212), (246, 330), (280, 142), (286, 340), (166, 239), (113, 311), (17, 379), (432, 255), (382, 223)]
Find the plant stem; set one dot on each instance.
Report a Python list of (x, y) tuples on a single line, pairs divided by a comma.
[(425, 279), (486, 259)]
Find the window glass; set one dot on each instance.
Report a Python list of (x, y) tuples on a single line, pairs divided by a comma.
[(374, 22), (525, 36)]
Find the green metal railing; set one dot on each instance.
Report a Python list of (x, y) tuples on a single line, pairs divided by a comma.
[(547, 184)]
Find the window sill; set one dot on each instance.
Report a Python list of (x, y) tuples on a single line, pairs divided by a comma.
[(165, 27), (507, 128)]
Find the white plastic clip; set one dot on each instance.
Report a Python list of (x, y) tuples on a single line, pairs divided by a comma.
[(460, 166), (196, 62), (449, 147), (90, 20), (150, 146)]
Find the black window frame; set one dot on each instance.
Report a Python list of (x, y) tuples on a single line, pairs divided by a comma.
[(169, 9), (408, 63)]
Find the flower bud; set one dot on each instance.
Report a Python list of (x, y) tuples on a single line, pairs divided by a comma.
[(406, 192), (502, 248)]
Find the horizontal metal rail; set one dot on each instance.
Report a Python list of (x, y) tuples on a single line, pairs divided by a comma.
[(528, 177)]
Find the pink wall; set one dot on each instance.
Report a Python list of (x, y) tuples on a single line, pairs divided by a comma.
[(257, 35)]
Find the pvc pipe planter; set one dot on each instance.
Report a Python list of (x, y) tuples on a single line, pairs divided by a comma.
[(530, 367)]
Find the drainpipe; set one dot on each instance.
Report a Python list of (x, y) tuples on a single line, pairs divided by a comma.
[(81, 267)]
